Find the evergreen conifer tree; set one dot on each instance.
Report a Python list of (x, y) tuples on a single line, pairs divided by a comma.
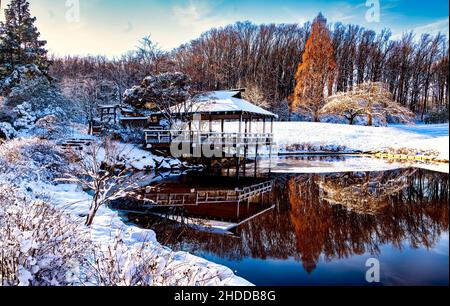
[(19, 39)]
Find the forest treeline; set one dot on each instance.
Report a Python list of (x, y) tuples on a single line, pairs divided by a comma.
[(264, 59)]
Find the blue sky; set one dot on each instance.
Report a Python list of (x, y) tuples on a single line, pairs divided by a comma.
[(112, 27)]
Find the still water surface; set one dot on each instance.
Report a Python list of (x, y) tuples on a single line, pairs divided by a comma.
[(321, 228)]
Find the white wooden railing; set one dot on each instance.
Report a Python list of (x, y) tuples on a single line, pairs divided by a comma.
[(160, 136)]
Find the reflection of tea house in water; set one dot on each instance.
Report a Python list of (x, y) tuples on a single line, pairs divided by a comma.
[(226, 199)]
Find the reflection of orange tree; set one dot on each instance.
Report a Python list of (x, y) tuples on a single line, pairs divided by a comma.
[(417, 212)]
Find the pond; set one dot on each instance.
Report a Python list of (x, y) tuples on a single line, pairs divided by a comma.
[(313, 228)]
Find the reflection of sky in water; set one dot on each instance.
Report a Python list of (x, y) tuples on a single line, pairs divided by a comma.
[(410, 267)]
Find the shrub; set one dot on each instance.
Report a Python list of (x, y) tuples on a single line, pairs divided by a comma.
[(50, 127), (437, 116), (40, 246), (7, 131), (31, 159), (145, 264)]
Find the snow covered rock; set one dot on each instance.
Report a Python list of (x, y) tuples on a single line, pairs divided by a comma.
[(25, 116)]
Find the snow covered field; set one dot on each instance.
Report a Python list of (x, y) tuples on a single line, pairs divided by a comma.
[(324, 137)]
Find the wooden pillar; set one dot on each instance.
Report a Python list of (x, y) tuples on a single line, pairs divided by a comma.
[(240, 124), (238, 149), (270, 146), (238, 209), (246, 139), (191, 138), (256, 159), (223, 136)]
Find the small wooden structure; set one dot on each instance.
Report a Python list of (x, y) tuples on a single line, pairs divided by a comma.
[(221, 120), (109, 112)]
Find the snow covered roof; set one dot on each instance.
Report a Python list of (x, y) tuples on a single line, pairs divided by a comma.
[(223, 102)]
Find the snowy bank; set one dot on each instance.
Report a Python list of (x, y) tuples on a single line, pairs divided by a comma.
[(307, 137), (108, 224)]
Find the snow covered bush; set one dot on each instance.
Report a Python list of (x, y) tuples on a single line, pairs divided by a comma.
[(50, 127), (120, 265), (31, 160), (40, 246), (24, 79), (147, 264), (437, 116), (30, 96), (7, 131), (101, 169), (130, 134)]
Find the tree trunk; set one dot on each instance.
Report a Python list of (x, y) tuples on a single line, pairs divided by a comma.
[(90, 219), (316, 117), (370, 120)]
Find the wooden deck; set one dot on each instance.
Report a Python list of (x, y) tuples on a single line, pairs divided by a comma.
[(161, 138)]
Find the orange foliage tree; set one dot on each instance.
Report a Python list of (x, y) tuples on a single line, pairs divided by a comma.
[(316, 72)]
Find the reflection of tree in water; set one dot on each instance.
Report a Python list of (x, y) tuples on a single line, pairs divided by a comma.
[(406, 207), (403, 206), (365, 193)]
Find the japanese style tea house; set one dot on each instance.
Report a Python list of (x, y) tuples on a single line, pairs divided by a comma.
[(220, 119)]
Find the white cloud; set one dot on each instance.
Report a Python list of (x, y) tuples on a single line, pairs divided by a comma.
[(434, 27), (199, 16)]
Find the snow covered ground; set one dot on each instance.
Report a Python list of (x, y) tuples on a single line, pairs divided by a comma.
[(324, 137)]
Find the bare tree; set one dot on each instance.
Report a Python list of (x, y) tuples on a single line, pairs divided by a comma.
[(267, 56), (97, 170)]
